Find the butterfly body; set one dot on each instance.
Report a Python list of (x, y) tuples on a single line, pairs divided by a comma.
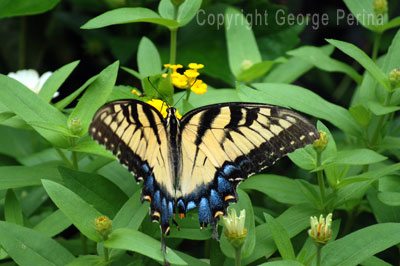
[(198, 160)]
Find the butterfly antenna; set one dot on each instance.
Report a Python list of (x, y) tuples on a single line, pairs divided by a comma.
[(191, 85), (154, 87)]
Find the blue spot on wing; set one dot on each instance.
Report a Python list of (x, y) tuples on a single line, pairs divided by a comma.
[(215, 200), (157, 200), (204, 211), (149, 186), (224, 185), (191, 205)]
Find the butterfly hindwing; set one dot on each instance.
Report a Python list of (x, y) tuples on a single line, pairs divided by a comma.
[(135, 132), (224, 144)]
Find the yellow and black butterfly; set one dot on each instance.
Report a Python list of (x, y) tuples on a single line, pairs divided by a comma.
[(198, 160)]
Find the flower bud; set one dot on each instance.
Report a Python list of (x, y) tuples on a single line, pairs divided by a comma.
[(394, 78), (380, 6), (246, 64), (235, 231), (320, 144), (321, 229), (75, 126), (103, 226)]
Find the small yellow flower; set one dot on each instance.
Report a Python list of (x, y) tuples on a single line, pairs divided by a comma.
[(196, 66), (179, 80), (135, 92), (234, 227), (320, 144), (321, 229), (191, 74), (103, 226), (199, 87), (162, 106), (173, 67)]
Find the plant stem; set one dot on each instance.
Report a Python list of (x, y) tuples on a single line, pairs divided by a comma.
[(319, 247), (375, 48), (172, 51), (380, 121), (174, 34), (75, 160), (63, 157), (320, 176), (238, 256), (106, 255)]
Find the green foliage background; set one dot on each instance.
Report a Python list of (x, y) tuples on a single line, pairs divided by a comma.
[(54, 180)]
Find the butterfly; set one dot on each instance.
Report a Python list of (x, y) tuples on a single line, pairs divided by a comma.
[(198, 160)]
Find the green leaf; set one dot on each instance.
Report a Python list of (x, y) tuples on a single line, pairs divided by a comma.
[(281, 238), (358, 189), (55, 81), (28, 247), (318, 58), (310, 192), (23, 176), (374, 261), (242, 45), (128, 239), (67, 100), (255, 71), (279, 188), (90, 146), (81, 214), (363, 11), (353, 157), (354, 248), (96, 190), (128, 15), (148, 58), (30, 107), (359, 55), (132, 72), (5, 116), (394, 23), (390, 143), (94, 97), (53, 224), (382, 212), (84, 260), (294, 68), (282, 263), (390, 198), (187, 11), (250, 242), (63, 130), (12, 208), (294, 220), (360, 114), (299, 98), (379, 109), (21, 7), (126, 219)]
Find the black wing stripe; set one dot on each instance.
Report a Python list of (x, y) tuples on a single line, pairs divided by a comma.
[(206, 120)]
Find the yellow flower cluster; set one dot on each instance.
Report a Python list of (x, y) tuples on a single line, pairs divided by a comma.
[(189, 78), (162, 106)]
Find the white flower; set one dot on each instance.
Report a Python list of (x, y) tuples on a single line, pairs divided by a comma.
[(30, 78), (321, 229), (234, 227)]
